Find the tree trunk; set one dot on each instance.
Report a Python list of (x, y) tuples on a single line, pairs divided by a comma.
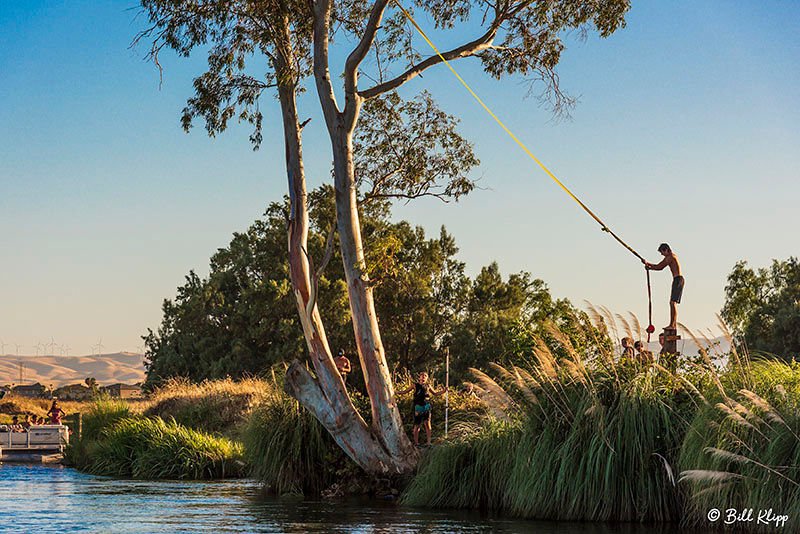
[(324, 395), (386, 419)]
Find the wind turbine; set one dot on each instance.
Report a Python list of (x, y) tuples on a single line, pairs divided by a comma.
[(3, 346), (16, 352), (52, 346), (99, 346), (38, 347), (65, 349)]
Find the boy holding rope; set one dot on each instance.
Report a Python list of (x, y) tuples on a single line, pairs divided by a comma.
[(671, 260)]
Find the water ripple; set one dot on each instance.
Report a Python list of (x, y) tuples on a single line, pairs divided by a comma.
[(53, 499)]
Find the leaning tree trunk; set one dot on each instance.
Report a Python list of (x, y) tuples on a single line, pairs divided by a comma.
[(386, 448), (385, 414), (324, 395)]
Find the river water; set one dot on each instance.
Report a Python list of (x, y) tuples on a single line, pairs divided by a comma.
[(45, 499)]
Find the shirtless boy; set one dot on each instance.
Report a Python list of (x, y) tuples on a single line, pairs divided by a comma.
[(342, 364), (670, 260)]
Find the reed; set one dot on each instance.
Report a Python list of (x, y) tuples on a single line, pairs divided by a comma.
[(743, 450), (289, 450), (151, 448), (584, 439), (469, 472)]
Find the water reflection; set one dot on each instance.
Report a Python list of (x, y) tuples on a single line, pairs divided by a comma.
[(36, 498)]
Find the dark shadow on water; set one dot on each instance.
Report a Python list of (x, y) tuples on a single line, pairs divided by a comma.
[(44, 499)]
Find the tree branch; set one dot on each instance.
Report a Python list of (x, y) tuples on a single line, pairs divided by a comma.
[(481, 43), (322, 76), (357, 56)]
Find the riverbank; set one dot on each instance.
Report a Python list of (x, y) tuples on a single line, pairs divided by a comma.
[(564, 439), (625, 442), (237, 428)]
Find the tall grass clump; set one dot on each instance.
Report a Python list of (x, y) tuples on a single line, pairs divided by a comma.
[(102, 413), (117, 442), (598, 448), (743, 449), (471, 471), (290, 451), (215, 406), (151, 448), (585, 438)]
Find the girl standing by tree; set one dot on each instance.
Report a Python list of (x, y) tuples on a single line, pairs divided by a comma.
[(422, 406)]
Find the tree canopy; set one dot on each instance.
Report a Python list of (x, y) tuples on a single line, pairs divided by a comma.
[(241, 318), (286, 42), (762, 307)]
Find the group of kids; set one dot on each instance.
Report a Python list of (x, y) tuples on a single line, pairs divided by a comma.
[(632, 351), (54, 418)]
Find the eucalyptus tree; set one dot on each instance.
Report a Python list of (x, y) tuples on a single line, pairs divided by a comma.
[(291, 40)]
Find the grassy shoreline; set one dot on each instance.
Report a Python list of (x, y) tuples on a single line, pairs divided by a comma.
[(563, 440)]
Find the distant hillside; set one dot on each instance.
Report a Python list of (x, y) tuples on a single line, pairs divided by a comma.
[(125, 367)]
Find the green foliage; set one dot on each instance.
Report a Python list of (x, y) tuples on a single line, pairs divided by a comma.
[(241, 38), (743, 449), (104, 412), (579, 443), (290, 451), (763, 307), (410, 150), (470, 472), (149, 447), (242, 319), (501, 320), (117, 442), (421, 299)]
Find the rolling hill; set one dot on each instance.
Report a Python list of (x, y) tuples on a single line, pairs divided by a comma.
[(125, 367)]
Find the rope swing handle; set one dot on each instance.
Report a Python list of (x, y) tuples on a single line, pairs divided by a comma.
[(603, 225)]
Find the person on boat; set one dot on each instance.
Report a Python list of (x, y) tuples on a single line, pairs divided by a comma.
[(55, 413), (26, 424), (422, 406), (670, 260), (342, 364), (15, 426)]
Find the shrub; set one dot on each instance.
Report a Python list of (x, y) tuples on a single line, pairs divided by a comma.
[(289, 450), (149, 447)]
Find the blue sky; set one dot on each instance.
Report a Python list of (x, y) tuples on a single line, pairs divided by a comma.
[(686, 132)]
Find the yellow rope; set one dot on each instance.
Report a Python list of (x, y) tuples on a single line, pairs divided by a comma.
[(545, 169)]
